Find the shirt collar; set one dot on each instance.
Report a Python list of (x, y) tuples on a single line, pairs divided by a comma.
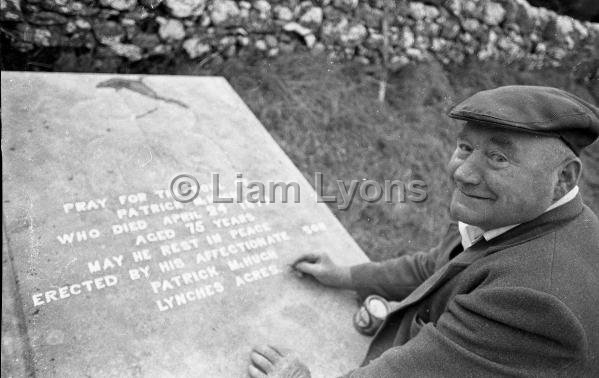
[(471, 234)]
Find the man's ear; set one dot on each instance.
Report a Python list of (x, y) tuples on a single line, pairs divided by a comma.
[(567, 177)]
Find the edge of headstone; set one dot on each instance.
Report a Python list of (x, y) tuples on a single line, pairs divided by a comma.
[(16, 350)]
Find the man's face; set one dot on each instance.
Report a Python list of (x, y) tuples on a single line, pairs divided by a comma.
[(501, 177)]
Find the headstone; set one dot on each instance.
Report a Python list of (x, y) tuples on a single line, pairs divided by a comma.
[(115, 276)]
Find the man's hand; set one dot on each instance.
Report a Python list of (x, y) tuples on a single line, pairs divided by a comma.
[(324, 270), (268, 361)]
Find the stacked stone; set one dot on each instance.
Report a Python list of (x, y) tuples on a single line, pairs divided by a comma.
[(507, 30)]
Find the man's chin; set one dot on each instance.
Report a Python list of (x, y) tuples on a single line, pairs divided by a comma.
[(464, 214)]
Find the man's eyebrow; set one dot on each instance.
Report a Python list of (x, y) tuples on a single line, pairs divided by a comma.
[(502, 141), (499, 140), (462, 135)]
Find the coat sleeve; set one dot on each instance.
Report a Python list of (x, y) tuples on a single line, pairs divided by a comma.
[(395, 279), (490, 332)]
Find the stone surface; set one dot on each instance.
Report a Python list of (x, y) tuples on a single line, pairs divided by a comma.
[(339, 25), (127, 50), (354, 34), (407, 38), (494, 13), (262, 6), (195, 48), (312, 17), (186, 289), (304, 32), (108, 32), (283, 13), (119, 4), (171, 29), (146, 40), (14, 345), (471, 25), (10, 10), (185, 8), (346, 5), (420, 11), (47, 18), (224, 10)]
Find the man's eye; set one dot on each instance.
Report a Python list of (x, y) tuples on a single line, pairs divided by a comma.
[(464, 147), (498, 158)]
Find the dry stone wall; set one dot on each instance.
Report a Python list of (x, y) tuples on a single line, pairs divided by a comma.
[(508, 30)]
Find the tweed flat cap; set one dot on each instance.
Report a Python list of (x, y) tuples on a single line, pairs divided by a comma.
[(541, 110)]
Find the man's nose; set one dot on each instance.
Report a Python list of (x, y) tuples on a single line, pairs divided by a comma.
[(468, 172)]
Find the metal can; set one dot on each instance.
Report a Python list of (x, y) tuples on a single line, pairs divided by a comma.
[(371, 314)]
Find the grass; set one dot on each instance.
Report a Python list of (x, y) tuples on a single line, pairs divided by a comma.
[(327, 118)]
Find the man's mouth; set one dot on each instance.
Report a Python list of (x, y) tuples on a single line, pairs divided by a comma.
[(475, 196)]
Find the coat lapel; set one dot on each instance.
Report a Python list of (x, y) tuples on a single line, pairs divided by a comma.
[(444, 274)]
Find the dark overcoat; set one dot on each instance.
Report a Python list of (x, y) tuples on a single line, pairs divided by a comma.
[(525, 303)]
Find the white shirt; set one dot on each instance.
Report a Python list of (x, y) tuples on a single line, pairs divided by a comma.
[(471, 234)]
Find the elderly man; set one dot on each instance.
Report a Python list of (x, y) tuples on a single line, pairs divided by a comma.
[(513, 289)]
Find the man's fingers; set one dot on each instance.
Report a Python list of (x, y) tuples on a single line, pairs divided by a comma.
[(269, 352), (275, 361), (281, 351), (309, 257), (261, 362), (307, 268), (255, 372)]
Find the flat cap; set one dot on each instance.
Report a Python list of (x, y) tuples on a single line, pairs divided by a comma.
[(540, 110)]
